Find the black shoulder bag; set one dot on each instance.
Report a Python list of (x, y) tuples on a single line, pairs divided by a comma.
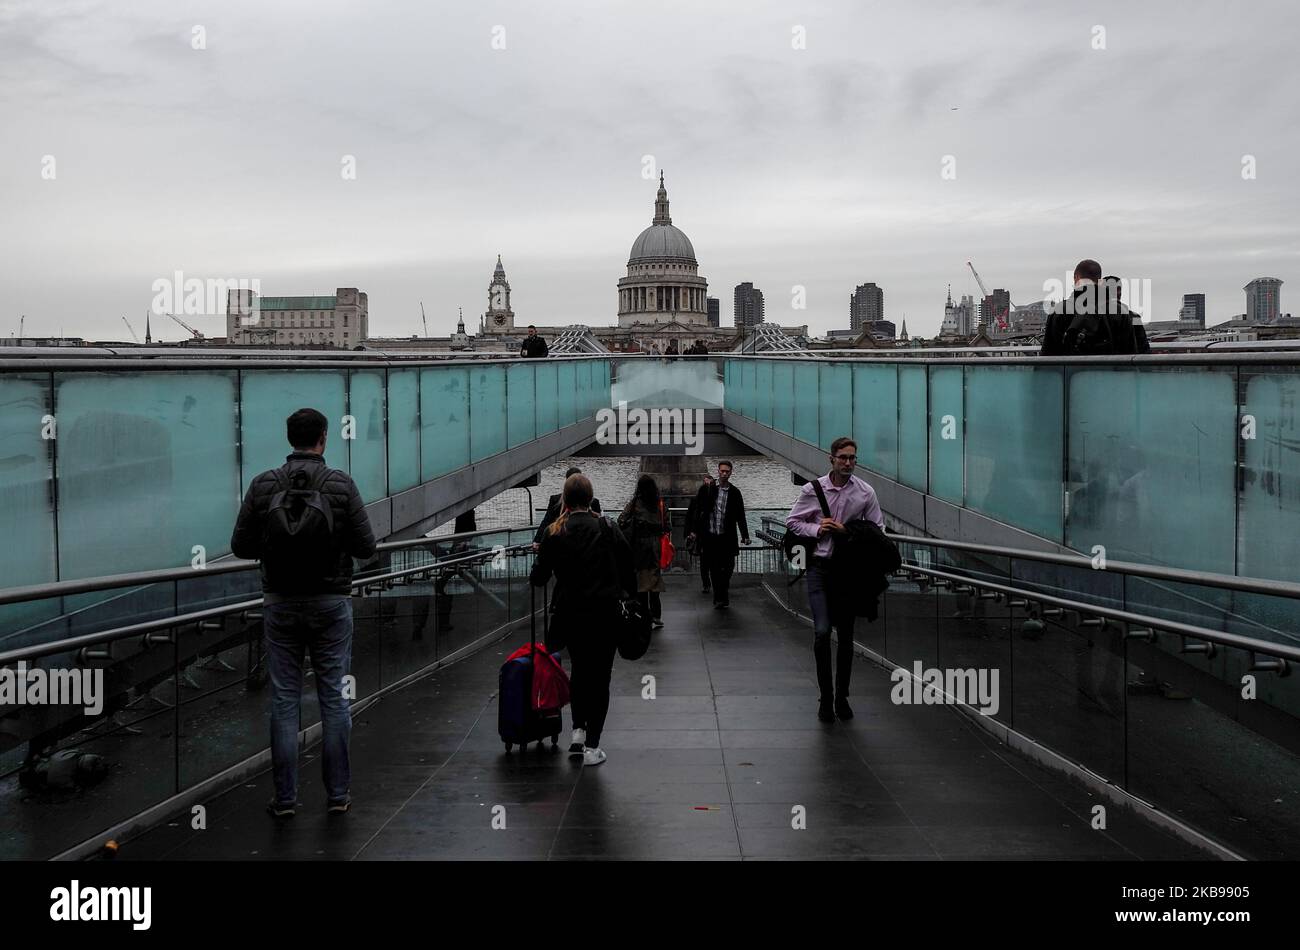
[(791, 543)]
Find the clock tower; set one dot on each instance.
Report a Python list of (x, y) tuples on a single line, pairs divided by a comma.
[(499, 317)]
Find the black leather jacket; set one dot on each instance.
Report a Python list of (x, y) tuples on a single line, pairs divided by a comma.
[(353, 537)]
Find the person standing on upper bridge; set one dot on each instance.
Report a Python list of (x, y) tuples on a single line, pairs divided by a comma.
[(533, 347)]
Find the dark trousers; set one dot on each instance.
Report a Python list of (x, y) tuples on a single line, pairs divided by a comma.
[(722, 562), (651, 602), (832, 606), (704, 563), (591, 654)]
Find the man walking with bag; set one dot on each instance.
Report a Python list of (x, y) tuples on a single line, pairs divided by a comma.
[(305, 521), (825, 506)]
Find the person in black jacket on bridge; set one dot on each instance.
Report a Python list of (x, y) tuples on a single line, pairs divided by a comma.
[(306, 522)]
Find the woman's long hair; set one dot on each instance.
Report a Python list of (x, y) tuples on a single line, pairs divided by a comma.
[(647, 492), (577, 494)]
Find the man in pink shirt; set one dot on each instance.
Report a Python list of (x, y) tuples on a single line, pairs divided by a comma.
[(829, 588)]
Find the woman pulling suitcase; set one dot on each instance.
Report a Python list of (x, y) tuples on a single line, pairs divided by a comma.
[(592, 565)]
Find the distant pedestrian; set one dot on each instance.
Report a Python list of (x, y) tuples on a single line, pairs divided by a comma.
[(1114, 289), (644, 522), (306, 522), (592, 565), (465, 522), (693, 512), (555, 505), (1089, 321), (717, 522), (832, 581), (533, 347)]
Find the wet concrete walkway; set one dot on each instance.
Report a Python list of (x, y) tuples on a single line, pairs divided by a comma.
[(722, 764)]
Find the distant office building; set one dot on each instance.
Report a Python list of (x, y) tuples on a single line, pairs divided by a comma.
[(866, 306), (994, 309), (1263, 300), (1030, 318), (1193, 309), (748, 305), (342, 320), (883, 329), (715, 312)]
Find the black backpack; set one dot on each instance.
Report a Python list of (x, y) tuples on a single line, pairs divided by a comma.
[(297, 539), (1106, 332), (791, 542)]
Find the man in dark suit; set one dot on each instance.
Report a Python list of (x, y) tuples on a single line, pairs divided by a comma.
[(717, 521), (555, 506)]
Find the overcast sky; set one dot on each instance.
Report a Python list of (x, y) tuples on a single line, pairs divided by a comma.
[(817, 167)]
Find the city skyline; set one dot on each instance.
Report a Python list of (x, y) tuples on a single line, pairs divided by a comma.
[(224, 162)]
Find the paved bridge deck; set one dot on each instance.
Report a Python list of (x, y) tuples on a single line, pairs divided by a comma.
[(710, 769)]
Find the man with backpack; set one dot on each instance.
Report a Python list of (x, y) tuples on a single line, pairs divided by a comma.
[(305, 522), (1092, 321), (822, 517)]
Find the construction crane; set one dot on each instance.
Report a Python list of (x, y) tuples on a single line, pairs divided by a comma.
[(1001, 315), (196, 333), (423, 320), (132, 329)]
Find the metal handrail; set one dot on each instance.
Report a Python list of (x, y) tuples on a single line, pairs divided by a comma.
[(1030, 356), (1144, 621), (26, 359), (146, 627), (1250, 585), (13, 595)]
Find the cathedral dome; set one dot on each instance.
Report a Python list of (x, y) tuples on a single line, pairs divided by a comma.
[(661, 240)]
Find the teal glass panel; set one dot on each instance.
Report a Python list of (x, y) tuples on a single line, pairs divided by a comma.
[(548, 396), (403, 429), (763, 396), (522, 396), (1014, 445), (835, 409), (947, 433), (268, 398), (1268, 543), (1152, 465), (444, 421), (146, 469), (729, 395), (487, 410), (582, 370), (26, 475), (805, 403), (743, 370), (369, 445), (875, 417), (566, 383), (783, 396), (913, 418)]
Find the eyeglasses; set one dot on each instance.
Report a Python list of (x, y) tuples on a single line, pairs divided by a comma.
[(846, 458)]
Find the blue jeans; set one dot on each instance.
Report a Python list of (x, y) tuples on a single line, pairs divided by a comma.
[(831, 604), (325, 628)]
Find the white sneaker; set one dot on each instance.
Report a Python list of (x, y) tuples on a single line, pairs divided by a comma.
[(593, 757), (579, 742)]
